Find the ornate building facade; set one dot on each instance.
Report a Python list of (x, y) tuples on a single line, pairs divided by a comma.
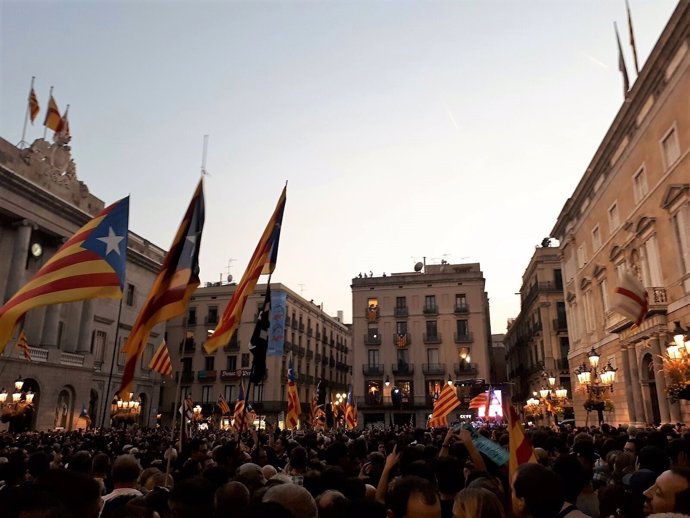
[(412, 332), (318, 343), (631, 211), (73, 346)]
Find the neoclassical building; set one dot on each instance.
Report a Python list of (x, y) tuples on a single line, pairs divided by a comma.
[(73, 346), (631, 210)]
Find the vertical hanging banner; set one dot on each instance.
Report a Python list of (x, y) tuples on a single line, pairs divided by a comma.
[(276, 333)]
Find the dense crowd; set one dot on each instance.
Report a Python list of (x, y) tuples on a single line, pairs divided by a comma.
[(622, 472)]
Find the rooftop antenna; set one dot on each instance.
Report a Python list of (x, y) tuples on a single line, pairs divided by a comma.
[(230, 261), (204, 172), (301, 289)]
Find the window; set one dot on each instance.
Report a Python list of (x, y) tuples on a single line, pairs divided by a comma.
[(565, 346), (432, 357), (228, 394), (681, 227), (98, 345), (589, 311), (245, 360), (561, 321), (596, 239), (460, 302), (209, 362), (640, 185), (581, 256), (614, 221), (121, 354), (403, 357), (212, 317), (373, 356), (186, 365), (651, 264), (463, 329), (130, 294), (400, 302), (186, 391), (191, 317), (232, 363), (206, 393), (431, 329), (670, 147), (373, 335), (401, 328), (558, 278), (430, 304)]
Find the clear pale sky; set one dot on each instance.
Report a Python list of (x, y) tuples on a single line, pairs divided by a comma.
[(451, 130)]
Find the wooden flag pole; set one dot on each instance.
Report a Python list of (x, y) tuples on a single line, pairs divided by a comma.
[(22, 143)]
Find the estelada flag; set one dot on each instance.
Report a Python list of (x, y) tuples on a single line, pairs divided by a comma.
[(23, 344), (294, 407), (239, 408), (53, 118), (350, 410), (160, 362), (437, 422), (631, 299), (89, 265), (223, 405), (172, 288), (479, 401), (263, 261), (34, 107)]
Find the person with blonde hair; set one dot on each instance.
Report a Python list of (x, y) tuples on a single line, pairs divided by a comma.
[(477, 503)]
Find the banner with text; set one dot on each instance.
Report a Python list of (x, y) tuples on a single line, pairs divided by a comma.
[(276, 333)]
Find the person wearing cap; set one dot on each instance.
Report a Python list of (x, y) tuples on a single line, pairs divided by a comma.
[(670, 492)]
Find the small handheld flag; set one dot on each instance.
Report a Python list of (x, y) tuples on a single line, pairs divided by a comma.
[(294, 407), (160, 362), (223, 405)]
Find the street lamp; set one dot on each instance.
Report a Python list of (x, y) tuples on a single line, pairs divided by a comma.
[(16, 410), (125, 410), (596, 383), (553, 398), (677, 363)]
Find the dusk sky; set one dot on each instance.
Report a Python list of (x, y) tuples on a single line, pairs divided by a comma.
[(446, 130)]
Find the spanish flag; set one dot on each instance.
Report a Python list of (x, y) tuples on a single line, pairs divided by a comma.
[(53, 118), (521, 450)]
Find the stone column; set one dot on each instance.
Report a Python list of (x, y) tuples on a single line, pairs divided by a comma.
[(49, 337), (630, 400), (72, 326), (86, 327), (660, 380), (20, 254), (673, 408), (635, 386)]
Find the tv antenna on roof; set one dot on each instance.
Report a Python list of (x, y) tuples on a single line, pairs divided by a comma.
[(230, 261), (301, 289), (204, 172)]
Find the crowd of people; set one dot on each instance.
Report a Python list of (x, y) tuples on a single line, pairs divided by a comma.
[(598, 472)]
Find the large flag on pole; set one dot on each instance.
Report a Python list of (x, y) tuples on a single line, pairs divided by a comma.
[(161, 362), (63, 126), (621, 64), (172, 288), (90, 264), (294, 407), (350, 410), (239, 407), (632, 38), (259, 341), (263, 261), (631, 299), (34, 107), (223, 405), (521, 450), (53, 118)]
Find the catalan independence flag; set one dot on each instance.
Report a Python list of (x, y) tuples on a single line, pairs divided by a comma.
[(223, 405), (263, 261), (172, 288), (239, 408), (89, 265), (350, 410), (294, 407)]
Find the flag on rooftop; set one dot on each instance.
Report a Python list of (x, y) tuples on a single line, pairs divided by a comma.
[(53, 118), (34, 107), (89, 265)]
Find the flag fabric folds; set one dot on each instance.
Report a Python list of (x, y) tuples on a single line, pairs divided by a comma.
[(223, 405), (259, 340), (621, 65), (239, 408), (34, 107), (263, 261), (521, 450), (53, 118), (350, 411), (318, 412), (90, 264), (187, 408), (632, 38), (172, 288), (479, 401), (63, 126), (23, 344), (161, 362), (437, 422), (447, 401), (631, 299), (294, 407)]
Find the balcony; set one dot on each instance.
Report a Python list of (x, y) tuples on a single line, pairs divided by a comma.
[(207, 375), (295, 324), (433, 368), (462, 338), (187, 346), (401, 340), (310, 332), (372, 313), (400, 311), (658, 301), (185, 376), (461, 309), (431, 339), (287, 322), (372, 369), (372, 339), (301, 327), (430, 310), (331, 362), (233, 345), (310, 354), (317, 357), (295, 349), (74, 359), (318, 336), (465, 369), (402, 368), (324, 339), (300, 352), (560, 325)]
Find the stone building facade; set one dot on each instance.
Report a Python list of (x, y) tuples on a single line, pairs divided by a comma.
[(73, 345), (631, 210)]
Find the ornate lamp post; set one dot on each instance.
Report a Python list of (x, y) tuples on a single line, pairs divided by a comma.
[(677, 363), (18, 410), (554, 399), (125, 411), (595, 383)]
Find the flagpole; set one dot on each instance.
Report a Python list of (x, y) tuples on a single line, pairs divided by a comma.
[(178, 398), (203, 157), (45, 128), (112, 363), (22, 142), (632, 38)]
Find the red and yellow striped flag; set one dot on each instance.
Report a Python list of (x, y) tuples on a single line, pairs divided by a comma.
[(351, 417), (160, 362), (223, 405), (34, 107), (294, 407), (23, 344), (521, 450), (53, 118), (172, 288), (447, 401), (90, 264), (479, 401), (63, 126), (263, 261), (239, 408)]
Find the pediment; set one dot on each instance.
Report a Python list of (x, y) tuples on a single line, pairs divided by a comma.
[(615, 252), (674, 193), (643, 224)]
